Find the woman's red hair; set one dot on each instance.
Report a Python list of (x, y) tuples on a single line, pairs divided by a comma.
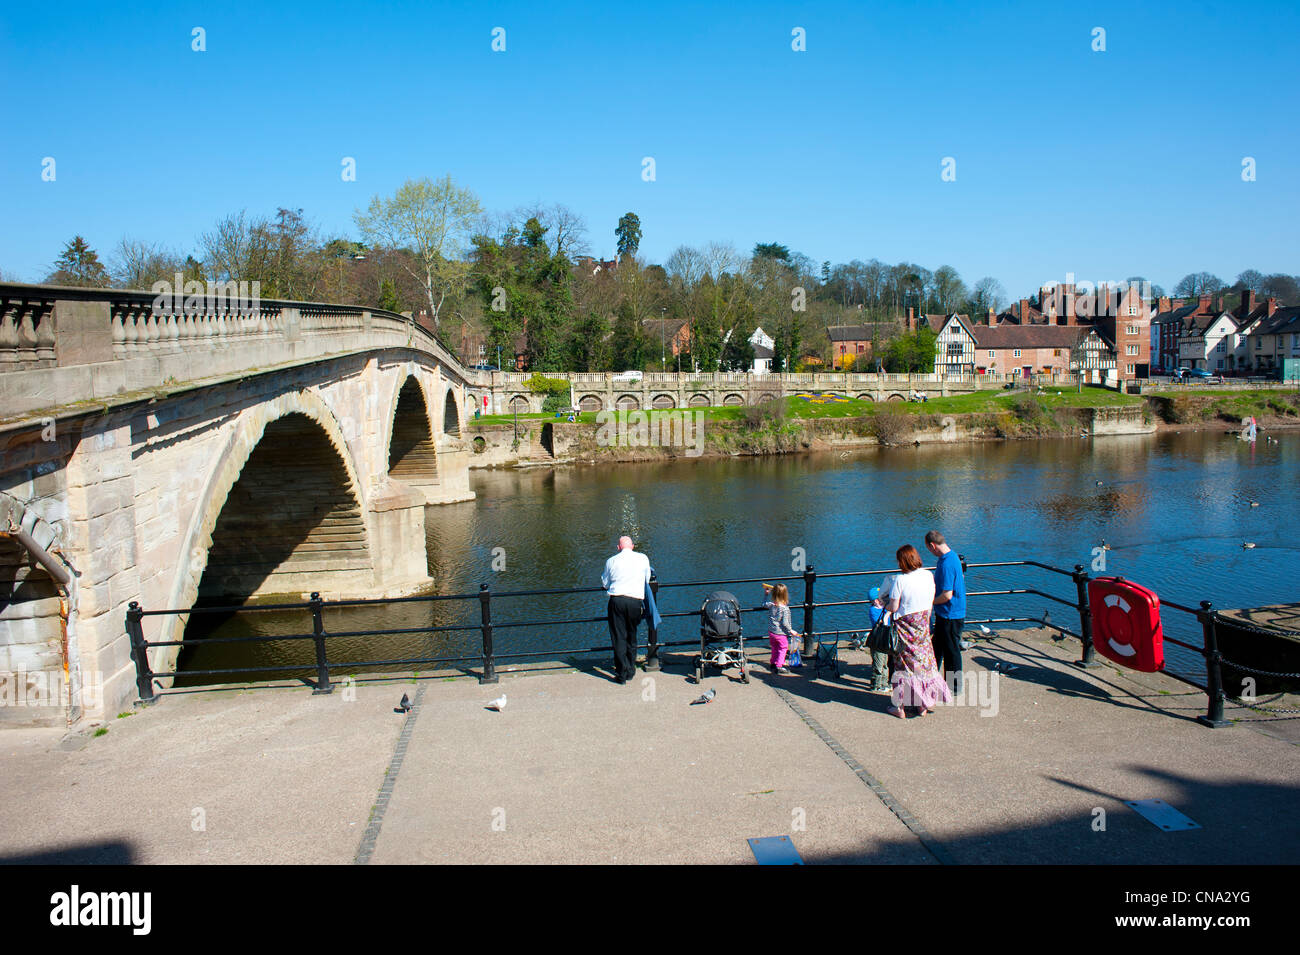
[(908, 559)]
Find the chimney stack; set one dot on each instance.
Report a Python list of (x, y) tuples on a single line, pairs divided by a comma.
[(1203, 305), (1024, 311), (992, 319), (1164, 304), (1247, 302), (911, 318), (1272, 305)]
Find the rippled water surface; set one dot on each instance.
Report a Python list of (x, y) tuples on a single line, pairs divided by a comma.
[(1174, 509)]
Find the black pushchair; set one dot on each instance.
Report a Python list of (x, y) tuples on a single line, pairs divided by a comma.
[(722, 640)]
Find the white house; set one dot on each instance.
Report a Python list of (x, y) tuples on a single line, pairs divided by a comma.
[(954, 348), (1210, 342)]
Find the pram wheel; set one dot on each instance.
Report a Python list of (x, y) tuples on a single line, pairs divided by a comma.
[(744, 674)]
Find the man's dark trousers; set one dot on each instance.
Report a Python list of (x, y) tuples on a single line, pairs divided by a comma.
[(947, 648), (624, 615)]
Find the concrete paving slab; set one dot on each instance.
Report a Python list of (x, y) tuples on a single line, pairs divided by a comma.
[(581, 770)]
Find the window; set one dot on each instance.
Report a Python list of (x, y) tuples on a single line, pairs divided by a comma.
[(1259, 343), (861, 348), (1056, 353), (1223, 346), (1132, 329), (1130, 349), (1130, 369), (1132, 310), (991, 355), (1220, 364), (1016, 353)]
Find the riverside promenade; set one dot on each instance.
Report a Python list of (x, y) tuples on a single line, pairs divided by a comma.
[(579, 770)]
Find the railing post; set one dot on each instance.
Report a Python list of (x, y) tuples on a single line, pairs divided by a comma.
[(318, 638), (809, 578), (1085, 617), (140, 653), (485, 607), (1214, 715), (652, 637)]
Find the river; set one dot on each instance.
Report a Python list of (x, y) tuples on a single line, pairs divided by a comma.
[(1173, 508)]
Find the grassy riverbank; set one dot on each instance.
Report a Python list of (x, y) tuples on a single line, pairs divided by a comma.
[(793, 424)]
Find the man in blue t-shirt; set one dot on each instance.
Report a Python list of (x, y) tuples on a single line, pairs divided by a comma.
[(949, 608)]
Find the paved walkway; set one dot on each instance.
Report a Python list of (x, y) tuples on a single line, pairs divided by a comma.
[(577, 769)]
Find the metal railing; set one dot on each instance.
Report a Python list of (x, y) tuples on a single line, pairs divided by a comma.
[(488, 656)]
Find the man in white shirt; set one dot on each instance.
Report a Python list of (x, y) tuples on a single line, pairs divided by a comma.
[(626, 577)]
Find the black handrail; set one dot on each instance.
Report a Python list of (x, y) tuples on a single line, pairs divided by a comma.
[(146, 679)]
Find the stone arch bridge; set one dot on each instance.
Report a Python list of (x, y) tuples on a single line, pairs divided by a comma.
[(214, 450)]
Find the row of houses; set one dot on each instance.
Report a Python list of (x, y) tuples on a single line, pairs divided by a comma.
[(1254, 337)]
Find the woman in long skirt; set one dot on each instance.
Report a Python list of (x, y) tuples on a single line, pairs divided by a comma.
[(916, 681)]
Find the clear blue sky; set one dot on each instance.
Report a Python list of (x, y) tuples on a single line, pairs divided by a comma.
[(1104, 164)]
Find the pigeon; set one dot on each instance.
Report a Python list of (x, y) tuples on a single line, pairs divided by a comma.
[(985, 629), (706, 698), (1254, 503), (404, 706), (1246, 545), (498, 704), (1098, 484)]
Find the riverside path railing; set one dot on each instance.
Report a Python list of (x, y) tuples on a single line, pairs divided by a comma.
[(492, 651)]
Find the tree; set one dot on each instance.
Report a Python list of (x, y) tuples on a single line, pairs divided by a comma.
[(1285, 288), (79, 265), (1197, 283), (1249, 281), (136, 264), (989, 293), (431, 219), (771, 250), (628, 234), (567, 229), (949, 290), (912, 352)]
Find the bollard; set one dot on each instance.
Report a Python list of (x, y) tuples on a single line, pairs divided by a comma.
[(809, 578), (1085, 617), (652, 637), (318, 638), (1214, 715), (140, 653), (485, 606)]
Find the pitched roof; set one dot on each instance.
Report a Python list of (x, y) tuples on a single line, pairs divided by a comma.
[(1030, 336), (849, 333), (1283, 321), (761, 351)]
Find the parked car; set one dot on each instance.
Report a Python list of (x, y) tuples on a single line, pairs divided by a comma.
[(1198, 373)]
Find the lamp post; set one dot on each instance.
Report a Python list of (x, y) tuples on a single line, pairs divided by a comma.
[(663, 350)]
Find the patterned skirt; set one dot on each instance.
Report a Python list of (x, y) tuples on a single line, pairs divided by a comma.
[(917, 681)]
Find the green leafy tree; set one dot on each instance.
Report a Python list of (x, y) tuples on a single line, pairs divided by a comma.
[(78, 264), (628, 234), (912, 352), (771, 250)]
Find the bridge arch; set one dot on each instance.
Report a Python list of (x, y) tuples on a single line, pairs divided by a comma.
[(590, 403), (628, 403), (866, 396), (699, 401), (412, 452), (302, 423), (663, 401), (896, 397), (733, 399), (451, 422)]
